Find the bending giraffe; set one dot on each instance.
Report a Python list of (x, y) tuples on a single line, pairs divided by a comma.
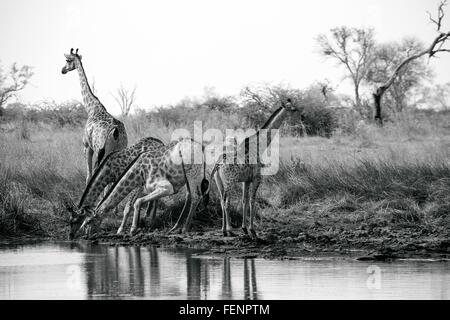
[(103, 133), (159, 174), (108, 172), (231, 168)]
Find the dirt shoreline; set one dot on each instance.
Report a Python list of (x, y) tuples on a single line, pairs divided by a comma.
[(268, 246), (281, 239), (212, 243)]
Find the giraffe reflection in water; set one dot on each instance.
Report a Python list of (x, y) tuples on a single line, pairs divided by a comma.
[(127, 272)]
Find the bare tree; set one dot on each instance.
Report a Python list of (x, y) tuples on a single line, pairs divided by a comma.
[(325, 88), (256, 96), (13, 81), (125, 98), (387, 58), (435, 47), (353, 48)]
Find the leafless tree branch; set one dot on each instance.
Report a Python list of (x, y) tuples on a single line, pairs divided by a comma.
[(431, 51), (125, 99), (13, 81)]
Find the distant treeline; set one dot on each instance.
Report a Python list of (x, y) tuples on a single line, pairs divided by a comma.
[(320, 112)]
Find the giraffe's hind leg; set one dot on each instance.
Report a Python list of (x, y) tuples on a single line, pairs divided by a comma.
[(187, 202), (163, 188), (127, 210), (193, 207), (245, 204)]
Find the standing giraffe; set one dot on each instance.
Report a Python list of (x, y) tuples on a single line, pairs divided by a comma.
[(227, 173), (103, 133), (108, 172), (158, 174)]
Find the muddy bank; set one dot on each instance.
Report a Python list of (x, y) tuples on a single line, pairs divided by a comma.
[(280, 242), (285, 241)]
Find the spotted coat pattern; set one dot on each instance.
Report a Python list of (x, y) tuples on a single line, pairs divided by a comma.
[(111, 168), (162, 170), (103, 133), (228, 173)]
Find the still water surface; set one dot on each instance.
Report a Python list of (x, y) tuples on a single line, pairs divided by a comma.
[(86, 271)]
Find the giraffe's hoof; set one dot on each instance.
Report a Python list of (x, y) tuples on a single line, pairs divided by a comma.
[(245, 230), (253, 234), (119, 231), (133, 231)]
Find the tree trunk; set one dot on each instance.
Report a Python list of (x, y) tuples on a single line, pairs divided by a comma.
[(431, 51), (357, 97), (377, 96)]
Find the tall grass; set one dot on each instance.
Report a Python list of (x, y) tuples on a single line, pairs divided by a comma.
[(38, 177), (387, 180), (397, 174)]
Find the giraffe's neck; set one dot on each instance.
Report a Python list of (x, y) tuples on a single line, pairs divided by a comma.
[(90, 101), (129, 180), (104, 175), (272, 123), (275, 119)]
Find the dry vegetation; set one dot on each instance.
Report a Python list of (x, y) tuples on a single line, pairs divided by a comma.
[(375, 187)]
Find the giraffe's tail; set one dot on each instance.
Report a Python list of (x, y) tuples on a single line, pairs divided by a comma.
[(204, 184)]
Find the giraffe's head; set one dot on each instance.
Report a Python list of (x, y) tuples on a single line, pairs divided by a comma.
[(77, 219), (288, 105), (71, 59)]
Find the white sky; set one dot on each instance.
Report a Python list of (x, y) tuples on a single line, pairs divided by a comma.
[(172, 49)]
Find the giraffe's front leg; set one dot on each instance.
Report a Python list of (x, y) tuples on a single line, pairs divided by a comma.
[(126, 211), (223, 194), (163, 188), (194, 205), (254, 188), (187, 202), (89, 154)]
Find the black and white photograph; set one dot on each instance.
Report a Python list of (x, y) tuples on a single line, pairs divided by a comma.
[(231, 152)]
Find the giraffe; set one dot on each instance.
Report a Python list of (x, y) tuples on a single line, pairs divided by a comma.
[(108, 172), (103, 133), (158, 174), (227, 173)]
